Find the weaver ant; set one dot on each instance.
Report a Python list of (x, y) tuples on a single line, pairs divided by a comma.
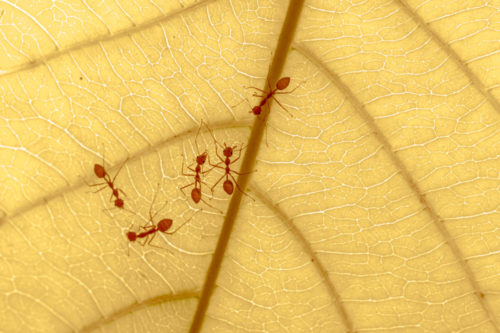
[(282, 84), (162, 226), (151, 230), (196, 193), (101, 172), (227, 151)]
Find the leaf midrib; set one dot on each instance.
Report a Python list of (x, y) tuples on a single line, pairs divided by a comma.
[(280, 55)]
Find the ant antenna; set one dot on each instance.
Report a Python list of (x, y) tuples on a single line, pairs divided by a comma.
[(173, 232)]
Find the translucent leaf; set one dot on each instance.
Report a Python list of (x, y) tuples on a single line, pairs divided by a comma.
[(371, 191)]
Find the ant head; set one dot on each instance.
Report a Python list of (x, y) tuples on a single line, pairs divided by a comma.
[(228, 151), (283, 83), (256, 110), (196, 195), (200, 159), (164, 225), (132, 236), (228, 186), (99, 171), (119, 203)]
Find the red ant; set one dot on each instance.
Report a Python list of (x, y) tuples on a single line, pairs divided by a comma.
[(196, 193), (228, 153), (282, 84), (162, 226), (101, 172)]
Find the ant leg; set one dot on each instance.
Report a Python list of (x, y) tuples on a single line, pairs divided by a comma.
[(187, 185), (291, 115), (147, 227), (202, 182), (217, 166), (220, 157), (213, 138), (145, 241), (182, 167), (286, 92), (161, 208), (209, 205), (119, 169), (198, 183), (207, 171), (269, 84), (265, 124), (290, 91), (196, 137), (238, 187), (150, 239), (189, 174), (173, 232), (99, 190), (182, 188), (217, 182), (103, 152), (260, 96), (152, 203), (267, 143), (245, 99), (267, 94), (189, 168), (258, 89), (240, 173), (121, 209), (210, 169), (111, 196), (216, 150), (239, 154), (159, 247)]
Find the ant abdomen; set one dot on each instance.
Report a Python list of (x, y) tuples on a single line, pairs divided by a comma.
[(283, 83), (228, 186), (196, 195), (165, 224), (99, 171)]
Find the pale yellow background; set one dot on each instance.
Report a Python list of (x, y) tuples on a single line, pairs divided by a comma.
[(376, 205)]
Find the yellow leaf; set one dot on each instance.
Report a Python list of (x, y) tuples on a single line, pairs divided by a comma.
[(371, 190)]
